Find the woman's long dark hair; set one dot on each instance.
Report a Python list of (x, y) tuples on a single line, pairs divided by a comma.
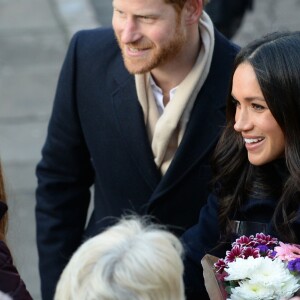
[(275, 59)]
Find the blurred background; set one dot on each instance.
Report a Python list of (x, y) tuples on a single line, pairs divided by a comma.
[(34, 35)]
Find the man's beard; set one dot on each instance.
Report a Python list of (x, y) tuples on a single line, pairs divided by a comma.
[(156, 57)]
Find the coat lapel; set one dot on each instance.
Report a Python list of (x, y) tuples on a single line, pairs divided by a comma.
[(129, 116), (196, 143)]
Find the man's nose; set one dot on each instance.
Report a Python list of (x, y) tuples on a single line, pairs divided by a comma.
[(130, 32)]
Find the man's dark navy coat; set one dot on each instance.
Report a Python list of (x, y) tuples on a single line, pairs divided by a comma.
[(97, 137)]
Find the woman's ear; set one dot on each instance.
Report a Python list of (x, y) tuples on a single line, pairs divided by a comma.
[(193, 10)]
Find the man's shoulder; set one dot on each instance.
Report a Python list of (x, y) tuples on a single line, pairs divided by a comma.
[(98, 38), (224, 55), (225, 45), (97, 44), (218, 79), (99, 32)]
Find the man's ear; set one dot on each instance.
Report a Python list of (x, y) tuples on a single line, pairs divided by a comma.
[(193, 10)]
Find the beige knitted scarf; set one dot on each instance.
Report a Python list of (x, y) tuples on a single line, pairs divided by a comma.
[(166, 131)]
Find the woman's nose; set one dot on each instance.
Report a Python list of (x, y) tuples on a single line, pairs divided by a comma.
[(243, 121)]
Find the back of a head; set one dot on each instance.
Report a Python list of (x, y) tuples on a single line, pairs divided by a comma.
[(130, 261)]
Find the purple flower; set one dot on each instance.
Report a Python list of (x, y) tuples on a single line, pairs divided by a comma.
[(294, 265), (262, 248), (271, 253)]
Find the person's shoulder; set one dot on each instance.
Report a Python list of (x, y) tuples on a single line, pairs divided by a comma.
[(5, 255), (224, 43), (225, 52), (98, 38), (98, 43), (96, 33), (10, 280)]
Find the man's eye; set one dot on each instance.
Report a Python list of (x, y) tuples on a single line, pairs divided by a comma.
[(120, 13), (147, 19)]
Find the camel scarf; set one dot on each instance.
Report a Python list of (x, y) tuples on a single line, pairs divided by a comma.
[(166, 131)]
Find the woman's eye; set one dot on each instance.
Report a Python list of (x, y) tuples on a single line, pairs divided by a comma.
[(235, 102), (257, 107)]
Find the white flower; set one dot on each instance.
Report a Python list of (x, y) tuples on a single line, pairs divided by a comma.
[(270, 272), (288, 288), (249, 290), (261, 278), (241, 268)]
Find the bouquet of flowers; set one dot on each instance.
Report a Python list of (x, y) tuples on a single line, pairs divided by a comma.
[(257, 267)]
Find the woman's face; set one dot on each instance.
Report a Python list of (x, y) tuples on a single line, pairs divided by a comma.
[(264, 139)]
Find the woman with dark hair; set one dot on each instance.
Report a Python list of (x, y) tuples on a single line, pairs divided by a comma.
[(11, 284), (256, 164)]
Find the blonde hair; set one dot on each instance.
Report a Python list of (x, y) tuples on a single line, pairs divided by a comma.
[(132, 260)]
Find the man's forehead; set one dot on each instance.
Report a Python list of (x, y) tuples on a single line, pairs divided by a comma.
[(140, 5)]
